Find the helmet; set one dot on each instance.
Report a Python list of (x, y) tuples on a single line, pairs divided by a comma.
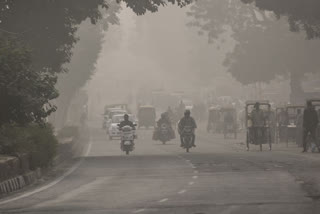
[(187, 112), (126, 116)]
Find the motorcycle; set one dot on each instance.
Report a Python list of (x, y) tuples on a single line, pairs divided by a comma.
[(164, 135), (127, 139), (187, 135)]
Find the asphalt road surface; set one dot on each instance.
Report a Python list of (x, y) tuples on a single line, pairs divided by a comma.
[(217, 177)]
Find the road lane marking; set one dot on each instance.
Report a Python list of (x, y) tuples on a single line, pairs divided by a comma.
[(67, 173), (182, 191), (163, 200), (139, 211), (74, 192), (187, 160), (195, 177), (229, 210), (191, 183)]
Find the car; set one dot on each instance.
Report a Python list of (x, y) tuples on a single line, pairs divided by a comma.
[(113, 130), (108, 118)]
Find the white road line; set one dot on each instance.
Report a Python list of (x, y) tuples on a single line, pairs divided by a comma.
[(163, 200), (182, 191), (187, 160), (229, 210), (195, 177), (139, 211), (70, 171), (193, 167), (73, 193), (191, 183)]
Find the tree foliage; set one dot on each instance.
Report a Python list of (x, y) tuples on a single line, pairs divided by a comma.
[(265, 48), (140, 7), (25, 92), (302, 14)]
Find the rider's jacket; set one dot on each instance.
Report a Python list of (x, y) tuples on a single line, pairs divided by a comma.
[(163, 121), (258, 118), (126, 123), (187, 121), (310, 118)]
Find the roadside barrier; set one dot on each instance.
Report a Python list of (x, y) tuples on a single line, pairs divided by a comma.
[(19, 182)]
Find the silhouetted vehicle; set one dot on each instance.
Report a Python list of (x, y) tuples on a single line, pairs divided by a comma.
[(187, 135), (214, 124), (292, 113), (147, 116), (257, 135), (229, 117), (110, 110)]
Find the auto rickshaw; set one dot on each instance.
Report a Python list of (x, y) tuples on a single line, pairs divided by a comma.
[(292, 129), (147, 116), (281, 124), (257, 135), (229, 118), (214, 124)]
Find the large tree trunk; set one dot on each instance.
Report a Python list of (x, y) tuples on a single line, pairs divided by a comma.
[(297, 95)]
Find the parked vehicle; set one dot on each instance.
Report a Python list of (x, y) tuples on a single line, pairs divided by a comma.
[(214, 123), (292, 113), (281, 124), (257, 135), (229, 117)]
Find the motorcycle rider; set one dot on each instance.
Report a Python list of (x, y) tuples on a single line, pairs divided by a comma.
[(126, 122), (165, 120), (187, 120)]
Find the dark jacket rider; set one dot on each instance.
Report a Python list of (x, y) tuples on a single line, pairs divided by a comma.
[(310, 124), (187, 120), (166, 120), (126, 122)]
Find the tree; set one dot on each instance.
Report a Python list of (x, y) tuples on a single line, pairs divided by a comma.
[(25, 92), (302, 15), (264, 48), (48, 27)]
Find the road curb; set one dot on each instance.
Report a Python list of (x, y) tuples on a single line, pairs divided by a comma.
[(19, 182)]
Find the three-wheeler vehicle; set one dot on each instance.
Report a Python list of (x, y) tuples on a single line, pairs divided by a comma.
[(229, 117), (281, 124), (214, 123), (147, 116), (292, 126), (258, 134)]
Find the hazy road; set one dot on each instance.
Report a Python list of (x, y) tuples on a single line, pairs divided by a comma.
[(217, 177)]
